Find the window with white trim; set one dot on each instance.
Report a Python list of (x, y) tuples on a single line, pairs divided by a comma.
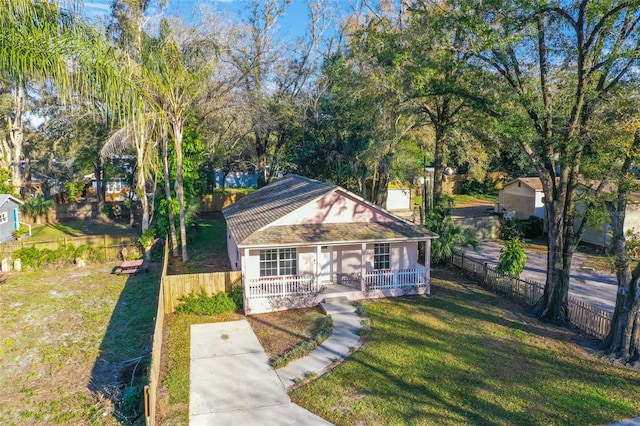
[(381, 256), (3, 217), (274, 262)]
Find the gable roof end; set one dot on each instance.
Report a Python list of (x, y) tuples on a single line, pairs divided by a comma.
[(6, 197), (271, 202)]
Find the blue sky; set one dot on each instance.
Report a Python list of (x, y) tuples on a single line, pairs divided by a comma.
[(292, 25)]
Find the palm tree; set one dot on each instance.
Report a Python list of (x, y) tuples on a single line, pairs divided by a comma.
[(43, 43), (36, 207), (174, 79)]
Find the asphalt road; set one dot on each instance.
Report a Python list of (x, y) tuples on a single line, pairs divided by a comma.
[(597, 287)]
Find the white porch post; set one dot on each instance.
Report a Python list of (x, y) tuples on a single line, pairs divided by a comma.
[(427, 262), (363, 266), (245, 280), (317, 262)]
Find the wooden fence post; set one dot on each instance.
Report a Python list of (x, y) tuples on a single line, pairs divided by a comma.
[(485, 271)]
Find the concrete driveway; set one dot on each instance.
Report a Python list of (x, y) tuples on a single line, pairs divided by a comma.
[(231, 382), (597, 287)]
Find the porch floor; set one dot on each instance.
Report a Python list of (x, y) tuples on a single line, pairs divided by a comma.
[(330, 288), (338, 290)]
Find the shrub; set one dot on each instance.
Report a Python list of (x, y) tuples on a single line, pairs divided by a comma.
[(322, 329), (204, 304), (511, 230), (360, 308), (237, 295), (365, 327), (29, 256), (512, 258), (63, 255), (532, 227), (147, 238), (73, 190), (439, 221)]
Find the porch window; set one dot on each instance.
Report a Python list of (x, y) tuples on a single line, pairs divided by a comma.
[(381, 256), (274, 262)]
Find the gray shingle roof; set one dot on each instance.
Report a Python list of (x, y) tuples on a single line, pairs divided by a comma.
[(338, 233), (5, 197), (272, 202), (247, 217)]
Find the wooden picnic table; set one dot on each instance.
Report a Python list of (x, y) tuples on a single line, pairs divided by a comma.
[(129, 266)]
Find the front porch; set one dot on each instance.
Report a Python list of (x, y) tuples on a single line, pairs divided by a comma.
[(268, 294)]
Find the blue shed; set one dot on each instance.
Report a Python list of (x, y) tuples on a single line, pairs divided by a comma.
[(9, 216)]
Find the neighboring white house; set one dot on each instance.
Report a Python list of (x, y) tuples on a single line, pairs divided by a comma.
[(524, 196), (298, 240), (399, 199), (601, 236)]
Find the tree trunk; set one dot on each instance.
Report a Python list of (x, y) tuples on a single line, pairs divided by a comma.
[(438, 165), (16, 137), (383, 183), (141, 182), (173, 240), (623, 340), (561, 245), (261, 152), (179, 186)]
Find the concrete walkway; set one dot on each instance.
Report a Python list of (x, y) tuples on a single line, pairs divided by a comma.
[(231, 382), (342, 342)]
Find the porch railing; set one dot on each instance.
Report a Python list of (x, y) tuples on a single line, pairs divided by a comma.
[(400, 278), (281, 286)]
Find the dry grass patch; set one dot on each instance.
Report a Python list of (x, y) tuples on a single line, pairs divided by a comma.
[(68, 343)]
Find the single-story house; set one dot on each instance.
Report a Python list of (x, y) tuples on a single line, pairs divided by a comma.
[(9, 216), (600, 237), (522, 198), (298, 241)]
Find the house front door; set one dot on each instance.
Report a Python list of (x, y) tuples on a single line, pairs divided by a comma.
[(324, 263)]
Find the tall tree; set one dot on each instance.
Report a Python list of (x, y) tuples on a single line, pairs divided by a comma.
[(175, 77), (42, 42), (558, 62), (444, 84), (276, 73), (623, 340)]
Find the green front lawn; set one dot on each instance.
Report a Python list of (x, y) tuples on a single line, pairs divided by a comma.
[(464, 356)]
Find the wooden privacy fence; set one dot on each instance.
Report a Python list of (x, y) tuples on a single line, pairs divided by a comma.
[(172, 288), (177, 286), (582, 315), (151, 391), (111, 246)]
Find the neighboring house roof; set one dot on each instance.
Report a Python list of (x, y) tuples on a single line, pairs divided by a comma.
[(532, 182), (6, 197), (611, 188), (249, 218)]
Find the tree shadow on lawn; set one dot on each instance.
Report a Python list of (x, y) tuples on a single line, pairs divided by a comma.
[(471, 354), (125, 350)]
